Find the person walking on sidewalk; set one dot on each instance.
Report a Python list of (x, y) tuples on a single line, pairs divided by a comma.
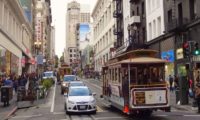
[(197, 91), (171, 80)]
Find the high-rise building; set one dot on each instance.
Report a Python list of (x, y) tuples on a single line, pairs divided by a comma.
[(77, 15), (73, 18), (42, 24)]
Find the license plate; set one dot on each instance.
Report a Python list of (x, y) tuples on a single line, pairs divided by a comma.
[(82, 106)]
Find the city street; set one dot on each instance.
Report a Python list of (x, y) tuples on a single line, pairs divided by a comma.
[(54, 110)]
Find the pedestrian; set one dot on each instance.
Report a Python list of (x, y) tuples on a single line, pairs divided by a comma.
[(197, 91), (15, 84), (171, 80), (176, 82)]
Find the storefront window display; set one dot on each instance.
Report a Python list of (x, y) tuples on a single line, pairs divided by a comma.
[(9, 63), (169, 67), (14, 64), (182, 70), (2, 61)]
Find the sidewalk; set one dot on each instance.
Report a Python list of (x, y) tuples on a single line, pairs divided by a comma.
[(187, 107), (5, 111)]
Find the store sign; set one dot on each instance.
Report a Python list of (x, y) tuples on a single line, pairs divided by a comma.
[(179, 53), (40, 59), (168, 55), (140, 98)]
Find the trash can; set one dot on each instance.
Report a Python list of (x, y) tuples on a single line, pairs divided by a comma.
[(177, 90), (6, 94)]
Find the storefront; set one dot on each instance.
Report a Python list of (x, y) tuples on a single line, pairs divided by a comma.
[(9, 63), (169, 57)]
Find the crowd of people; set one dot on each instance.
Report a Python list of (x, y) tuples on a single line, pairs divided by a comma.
[(26, 81)]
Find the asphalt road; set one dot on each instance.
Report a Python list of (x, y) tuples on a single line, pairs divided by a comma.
[(53, 109)]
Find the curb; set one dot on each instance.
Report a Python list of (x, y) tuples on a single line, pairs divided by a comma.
[(181, 108), (10, 113)]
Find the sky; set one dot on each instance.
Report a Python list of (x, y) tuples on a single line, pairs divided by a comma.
[(59, 21)]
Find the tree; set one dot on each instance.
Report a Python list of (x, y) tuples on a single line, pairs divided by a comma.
[(56, 61)]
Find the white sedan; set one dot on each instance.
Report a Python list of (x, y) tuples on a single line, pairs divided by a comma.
[(80, 99)]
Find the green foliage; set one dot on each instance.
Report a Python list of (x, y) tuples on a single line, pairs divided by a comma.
[(47, 83)]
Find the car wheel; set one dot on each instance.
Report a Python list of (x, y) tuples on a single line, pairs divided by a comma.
[(94, 112)]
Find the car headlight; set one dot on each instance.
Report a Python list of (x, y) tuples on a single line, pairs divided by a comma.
[(64, 84), (93, 101), (71, 102)]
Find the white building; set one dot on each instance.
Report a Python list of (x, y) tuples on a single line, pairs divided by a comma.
[(154, 18), (103, 26), (126, 19), (52, 43), (15, 38)]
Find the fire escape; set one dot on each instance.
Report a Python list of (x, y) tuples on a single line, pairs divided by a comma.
[(118, 30)]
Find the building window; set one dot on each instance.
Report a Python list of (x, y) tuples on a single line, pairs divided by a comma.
[(138, 10), (154, 29), (159, 25), (70, 60), (150, 31), (180, 13), (70, 50), (70, 55), (143, 10), (169, 15), (192, 9)]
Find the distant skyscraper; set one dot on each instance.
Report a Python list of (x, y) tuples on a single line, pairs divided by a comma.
[(76, 14)]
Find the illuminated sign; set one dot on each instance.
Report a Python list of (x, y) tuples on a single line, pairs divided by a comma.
[(168, 55)]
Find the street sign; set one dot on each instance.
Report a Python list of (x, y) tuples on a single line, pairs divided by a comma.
[(40, 59)]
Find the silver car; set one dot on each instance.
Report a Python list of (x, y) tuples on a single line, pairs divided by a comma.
[(80, 99)]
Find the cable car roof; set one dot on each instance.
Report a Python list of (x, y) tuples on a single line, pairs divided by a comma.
[(140, 60)]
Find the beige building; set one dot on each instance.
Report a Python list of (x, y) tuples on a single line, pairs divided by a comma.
[(103, 27), (76, 13), (42, 35), (15, 39)]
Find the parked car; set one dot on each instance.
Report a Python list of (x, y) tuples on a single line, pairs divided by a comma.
[(66, 80), (80, 99), (48, 74), (76, 83)]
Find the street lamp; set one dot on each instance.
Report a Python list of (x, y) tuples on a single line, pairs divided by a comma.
[(130, 37), (37, 46)]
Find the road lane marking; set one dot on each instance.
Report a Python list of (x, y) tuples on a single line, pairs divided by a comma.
[(58, 113), (16, 117), (93, 84), (161, 115), (54, 94), (191, 115), (106, 118), (99, 109)]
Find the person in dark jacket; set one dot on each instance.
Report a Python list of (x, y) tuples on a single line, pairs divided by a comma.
[(197, 91)]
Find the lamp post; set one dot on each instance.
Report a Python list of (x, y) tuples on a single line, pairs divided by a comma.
[(37, 47), (131, 39)]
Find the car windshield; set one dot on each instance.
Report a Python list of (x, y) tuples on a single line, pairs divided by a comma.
[(69, 78), (48, 74), (76, 84), (79, 92)]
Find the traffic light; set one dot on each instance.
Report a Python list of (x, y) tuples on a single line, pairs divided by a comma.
[(196, 49), (186, 49)]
